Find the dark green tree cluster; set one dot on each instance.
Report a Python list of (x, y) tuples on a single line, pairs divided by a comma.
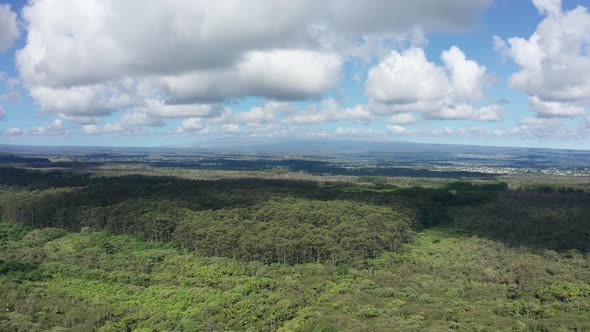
[(558, 220), (151, 207), (296, 231)]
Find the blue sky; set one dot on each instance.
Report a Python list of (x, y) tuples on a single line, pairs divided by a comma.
[(160, 73)]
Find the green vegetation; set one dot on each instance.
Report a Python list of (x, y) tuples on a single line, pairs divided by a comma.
[(293, 231), (136, 253)]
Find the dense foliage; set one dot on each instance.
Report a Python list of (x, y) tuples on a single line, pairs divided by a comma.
[(556, 220), (95, 281), (83, 253), (249, 219), (296, 231)]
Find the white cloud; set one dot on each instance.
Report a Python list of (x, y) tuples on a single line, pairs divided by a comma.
[(460, 132), (139, 119), (159, 109), (13, 131), (555, 108), (118, 128), (403, 118), (539, 121), (193, 125), (468, 112), (358, 114), (544, 129), (87, 100), (329, 111), (532, 128), (398, 130), (90, 129), (2, 113), (278, 74), (263, 113), (272, 130), (130, 123), (232, 129), (202, 52), (8, 27), (82, 119), (289, 74), (111, 128), (405, 78), (260, 114), (549, 7), (55, 128), (554, 61), (409, 82), (467, 76), (355, 132)]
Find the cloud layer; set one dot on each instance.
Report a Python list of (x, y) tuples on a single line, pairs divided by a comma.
[(86, 58), (278, 67)]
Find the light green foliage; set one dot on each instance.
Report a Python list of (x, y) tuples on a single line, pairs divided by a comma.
[(564, 291), (96, 281)]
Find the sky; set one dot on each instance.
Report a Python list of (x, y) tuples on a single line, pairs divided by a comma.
[(180, 72)]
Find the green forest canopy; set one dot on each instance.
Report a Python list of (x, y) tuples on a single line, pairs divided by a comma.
[(79, 252)]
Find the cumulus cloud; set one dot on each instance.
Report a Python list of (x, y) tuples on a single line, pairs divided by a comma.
[(258, 114), (90, 129), (460, 132), (8, 27), (548, 7), (554, 61), (532, 121), (55, 128), (548, 108), (84, 59), (340, 131), (405, 78), (273, 130), (409, 82), (130, 123), (403, 119), (540, 128), (86, 100), (232, 129), (398, 130), (468, 112), (111, 128), (277, 74), (158, 108), (192, 125), (82, 119), (466, 76), (13, 131), (329, 111)]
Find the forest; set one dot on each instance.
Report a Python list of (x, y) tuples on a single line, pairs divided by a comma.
[(88, 252)]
